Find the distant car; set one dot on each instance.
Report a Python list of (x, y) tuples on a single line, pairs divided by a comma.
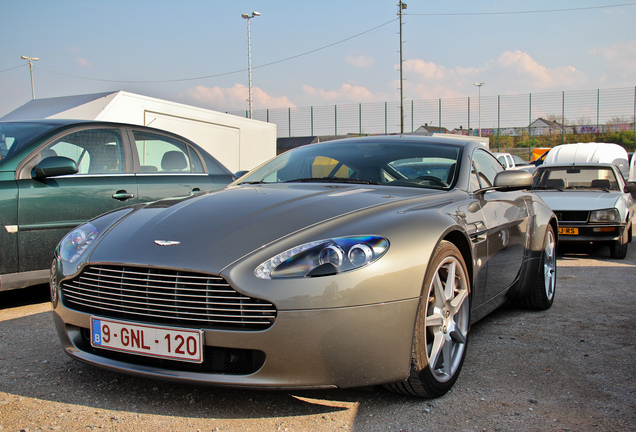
[(57, 174), (590, 152), (510, 161), (339, 264), (591, 201)]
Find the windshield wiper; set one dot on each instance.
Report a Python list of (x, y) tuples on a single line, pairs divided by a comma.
[(252, 182), (332, 180)]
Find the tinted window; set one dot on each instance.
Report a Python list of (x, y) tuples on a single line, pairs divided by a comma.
[(158, 153), (427, 165), (95, 151), (485, 169), (15, 136)]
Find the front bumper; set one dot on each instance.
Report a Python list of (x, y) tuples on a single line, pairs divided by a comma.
[(590, 233), (317, 348)]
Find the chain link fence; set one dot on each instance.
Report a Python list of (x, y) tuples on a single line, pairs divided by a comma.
[(513, 120)]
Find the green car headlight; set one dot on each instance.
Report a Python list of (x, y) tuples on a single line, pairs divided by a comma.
[(607, 215), (73, 246), (324, 257)]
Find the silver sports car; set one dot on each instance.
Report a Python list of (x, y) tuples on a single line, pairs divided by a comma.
[(342, 264)]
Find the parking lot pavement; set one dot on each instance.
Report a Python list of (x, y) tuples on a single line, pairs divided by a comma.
[(571, 368)]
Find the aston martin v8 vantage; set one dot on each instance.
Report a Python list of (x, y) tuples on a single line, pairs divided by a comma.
[(341, 264)]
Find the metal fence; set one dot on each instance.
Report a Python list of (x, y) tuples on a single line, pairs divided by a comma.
[(513, 115)]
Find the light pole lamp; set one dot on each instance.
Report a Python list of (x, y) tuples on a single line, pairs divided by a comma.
[(31, 60), (249, 59), (479, 84)]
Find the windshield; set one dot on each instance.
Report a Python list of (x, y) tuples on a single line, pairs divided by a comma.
[(392, 163), (16, 136), (574, 177)]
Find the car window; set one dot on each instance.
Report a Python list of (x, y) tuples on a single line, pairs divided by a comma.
[(485, 169), (95, 151), (403, 164), (574, 177), (158, 153)]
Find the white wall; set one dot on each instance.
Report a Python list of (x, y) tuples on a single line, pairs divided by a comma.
[(238, 143)]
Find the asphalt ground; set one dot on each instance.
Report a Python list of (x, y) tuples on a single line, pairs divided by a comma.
[(571, 368)]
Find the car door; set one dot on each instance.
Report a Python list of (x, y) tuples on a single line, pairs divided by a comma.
[(168, 167), (49, 207), (506, 223)]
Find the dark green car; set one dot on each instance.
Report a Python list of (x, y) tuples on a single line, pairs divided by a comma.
[(57, 174)]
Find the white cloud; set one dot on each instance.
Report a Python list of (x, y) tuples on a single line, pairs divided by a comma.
[(512, 71), (233, 98), (82, 62), (346, 92), (360, 60), (620, 62)]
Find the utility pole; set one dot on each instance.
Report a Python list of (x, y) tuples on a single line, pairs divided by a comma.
[(401, 6), (249, 59), (31, 60)]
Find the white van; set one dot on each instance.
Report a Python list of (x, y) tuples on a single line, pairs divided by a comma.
[(590, 153)]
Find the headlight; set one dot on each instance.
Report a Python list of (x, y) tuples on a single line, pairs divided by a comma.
[(607, 215), (76, 242), (324, 257)]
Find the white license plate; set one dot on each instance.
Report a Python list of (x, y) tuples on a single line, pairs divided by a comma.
[(150, 340)]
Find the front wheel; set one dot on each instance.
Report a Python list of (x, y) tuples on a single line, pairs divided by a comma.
[(441, 333), (618, 249), (542, 295)]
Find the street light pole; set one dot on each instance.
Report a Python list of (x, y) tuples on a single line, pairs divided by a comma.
[(480, 84), (31, 60), (249, 59), (401, 6)]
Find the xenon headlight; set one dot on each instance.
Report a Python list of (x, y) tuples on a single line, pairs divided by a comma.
[(75, 243), (607, 215), (324, 257)]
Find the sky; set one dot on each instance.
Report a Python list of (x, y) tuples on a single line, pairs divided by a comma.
[(312, 53)]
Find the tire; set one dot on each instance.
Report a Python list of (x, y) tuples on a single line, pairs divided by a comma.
[(618, 249), (542, 295), (441, 330)]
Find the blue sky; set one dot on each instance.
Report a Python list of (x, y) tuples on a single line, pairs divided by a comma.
[(313, 53)]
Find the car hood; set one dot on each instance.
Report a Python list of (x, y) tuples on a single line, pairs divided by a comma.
[(579, 200), (216, 229)]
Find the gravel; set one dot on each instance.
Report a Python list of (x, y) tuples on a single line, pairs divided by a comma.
[(571, 368)]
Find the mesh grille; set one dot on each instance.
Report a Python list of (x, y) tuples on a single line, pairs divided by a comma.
[(165, 297)]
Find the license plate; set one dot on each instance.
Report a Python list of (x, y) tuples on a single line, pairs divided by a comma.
[(150, 340), (569, 231)]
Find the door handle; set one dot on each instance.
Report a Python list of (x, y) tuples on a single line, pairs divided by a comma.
[(122, 195)]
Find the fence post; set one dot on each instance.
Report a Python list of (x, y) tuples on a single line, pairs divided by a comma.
[(312, 120), (530, 121), (468, 115), (440, 114), (412, 117), (598, 109), (289, 120), (563, 119), (498, 122), (386, 130), (335, 119), (360, 117)]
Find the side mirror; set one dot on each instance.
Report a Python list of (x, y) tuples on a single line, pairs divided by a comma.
[(54, 166), (513, 180), (239, 174)]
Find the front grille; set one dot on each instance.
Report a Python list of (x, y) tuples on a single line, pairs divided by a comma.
[(165, 296), (571, 216)]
